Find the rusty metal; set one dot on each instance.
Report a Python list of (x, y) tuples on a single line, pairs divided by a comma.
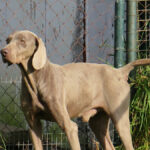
[(73, 31), (143, 31)]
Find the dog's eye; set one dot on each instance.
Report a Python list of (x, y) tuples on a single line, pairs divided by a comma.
[(8, 40), (22, 42)]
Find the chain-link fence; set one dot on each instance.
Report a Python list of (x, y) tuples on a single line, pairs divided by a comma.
[(73, 31), (143, 22)]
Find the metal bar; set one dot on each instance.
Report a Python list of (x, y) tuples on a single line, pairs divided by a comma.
[(131, 30), (84, 32), (119, 33)]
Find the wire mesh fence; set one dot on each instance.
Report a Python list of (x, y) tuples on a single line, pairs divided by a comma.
[(143, 22), (73, 31)]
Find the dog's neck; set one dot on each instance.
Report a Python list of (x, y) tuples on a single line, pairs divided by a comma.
[(26, 71), (26, 65), (31, 74), (27, 77)]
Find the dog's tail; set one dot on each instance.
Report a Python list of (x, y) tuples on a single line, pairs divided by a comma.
[(140, 62)]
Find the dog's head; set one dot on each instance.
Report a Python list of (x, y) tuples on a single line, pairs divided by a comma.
[(22, 45)]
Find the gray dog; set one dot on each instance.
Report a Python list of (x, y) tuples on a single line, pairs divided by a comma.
[(95, 92)]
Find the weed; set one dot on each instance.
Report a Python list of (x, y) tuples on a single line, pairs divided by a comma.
[(3, 147)]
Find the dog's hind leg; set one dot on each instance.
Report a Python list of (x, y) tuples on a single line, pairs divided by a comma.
[(122, 125), (100, 126), (119, 113)]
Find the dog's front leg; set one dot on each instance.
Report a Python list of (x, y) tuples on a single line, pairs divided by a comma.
[(35, 130), (59, 111), (32, 119), (36, 135)]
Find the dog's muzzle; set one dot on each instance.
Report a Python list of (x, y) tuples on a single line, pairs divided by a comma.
[(5, 55)]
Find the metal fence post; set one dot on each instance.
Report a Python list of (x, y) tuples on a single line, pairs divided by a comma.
[(119, 43), (131, 30), (119, 33)]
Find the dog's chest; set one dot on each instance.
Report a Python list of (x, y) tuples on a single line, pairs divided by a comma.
[(30, 104), (31, 109)]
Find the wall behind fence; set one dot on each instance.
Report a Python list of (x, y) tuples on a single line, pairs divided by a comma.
[(73, 31), (100, 31)]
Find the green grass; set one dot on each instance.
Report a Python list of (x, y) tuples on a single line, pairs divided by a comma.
[(140, 109), (3, 146)]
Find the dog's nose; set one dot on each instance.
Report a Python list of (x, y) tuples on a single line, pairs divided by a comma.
[(4, 52)]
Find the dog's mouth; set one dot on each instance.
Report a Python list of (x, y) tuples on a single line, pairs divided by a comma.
[(6, 61)]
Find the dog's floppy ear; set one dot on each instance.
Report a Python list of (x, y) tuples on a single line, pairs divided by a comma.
[(39, 57)]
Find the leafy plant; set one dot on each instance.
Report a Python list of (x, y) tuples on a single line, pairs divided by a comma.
[(140, 109)]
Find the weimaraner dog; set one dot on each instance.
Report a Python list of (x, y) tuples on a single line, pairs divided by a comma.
[(94, 92)]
